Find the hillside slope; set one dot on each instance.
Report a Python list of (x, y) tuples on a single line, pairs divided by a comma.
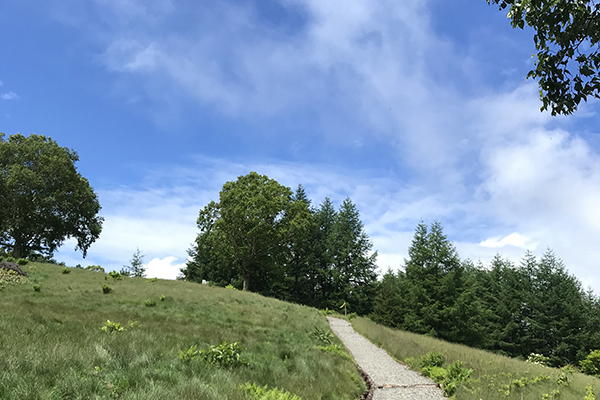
[(493, 377), (52, 345)]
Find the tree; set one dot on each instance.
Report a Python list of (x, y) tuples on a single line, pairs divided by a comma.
[(136, 265), (211, 256), (567, 34), (43, 199), (251, 211), (354, 268)]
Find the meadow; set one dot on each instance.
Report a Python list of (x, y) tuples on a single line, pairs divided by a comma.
[(52, 345)]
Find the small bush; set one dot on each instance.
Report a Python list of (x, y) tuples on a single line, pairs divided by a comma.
[(323, 335), (95, 268), (589, 393), (189, 354), (114, 275), (78, 266), (230, 286), (263, 393), (106, 289), (37, 288), (335, 350), (151, 280), (66, 270), (150, 303), (162, 297), (566, 375), (538, 359), (591, 364), (22, 261), (433, 359), (10, 259), (134, 324), (226, 355), (8, 276), (111, 327)]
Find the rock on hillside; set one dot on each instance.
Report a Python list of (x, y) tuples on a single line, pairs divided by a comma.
[(12, 266)]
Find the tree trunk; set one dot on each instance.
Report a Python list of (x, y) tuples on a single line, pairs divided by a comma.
[(246, 282)]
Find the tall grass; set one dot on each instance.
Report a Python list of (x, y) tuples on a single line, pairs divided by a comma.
[(52, 345), (492, 374)]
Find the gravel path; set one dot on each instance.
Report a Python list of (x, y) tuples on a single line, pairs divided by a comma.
[(392, 380)]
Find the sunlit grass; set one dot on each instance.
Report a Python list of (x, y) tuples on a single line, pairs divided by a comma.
[(52, 345), (491, 372)]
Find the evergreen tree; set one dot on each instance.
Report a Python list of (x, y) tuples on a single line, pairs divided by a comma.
[(354, 268)]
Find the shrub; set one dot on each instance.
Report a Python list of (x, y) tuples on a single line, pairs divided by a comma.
[(565, 376), (37, 288), (95, 268), (589, 393), (106, 289), (433, 359), (323, 335), (189, 354), (226, 355), (538, 359), (230, 286), (150, 303), (263, 393), (134, 324), (66, 270), (114, 275), (9, 276), (22, 261), (10, 259), (335, 350), (78, 266), (162, 297), (591, 364), (111, 327)]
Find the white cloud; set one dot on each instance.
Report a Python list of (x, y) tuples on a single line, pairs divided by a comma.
[(9, 96), (514, 239), (165, 268)]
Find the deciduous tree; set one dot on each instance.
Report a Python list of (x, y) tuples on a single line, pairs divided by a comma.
[(44, 200)]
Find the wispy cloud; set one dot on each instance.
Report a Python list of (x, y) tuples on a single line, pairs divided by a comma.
[(9, 96), (500, 175)]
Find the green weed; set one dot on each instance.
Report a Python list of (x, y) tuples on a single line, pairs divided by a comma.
[(264, 393)]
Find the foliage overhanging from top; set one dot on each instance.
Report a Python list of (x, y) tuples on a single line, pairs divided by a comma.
[(567, 35)]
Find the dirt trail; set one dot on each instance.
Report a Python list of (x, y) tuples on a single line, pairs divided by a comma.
[(391, 379)]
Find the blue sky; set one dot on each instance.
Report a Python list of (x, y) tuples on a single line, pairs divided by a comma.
[(417, 110)]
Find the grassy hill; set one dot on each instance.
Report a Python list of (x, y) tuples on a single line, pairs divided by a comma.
[(52, 345), (493, 377)]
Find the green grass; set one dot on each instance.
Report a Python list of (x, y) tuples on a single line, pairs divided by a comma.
[(52, 345), (491, 372)]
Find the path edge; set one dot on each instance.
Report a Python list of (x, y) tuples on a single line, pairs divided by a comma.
[(368, 394)]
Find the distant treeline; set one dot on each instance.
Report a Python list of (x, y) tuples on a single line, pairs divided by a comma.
[(535, 307), (262, 237)]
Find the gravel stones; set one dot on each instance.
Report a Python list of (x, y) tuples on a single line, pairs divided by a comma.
[(392, 380)]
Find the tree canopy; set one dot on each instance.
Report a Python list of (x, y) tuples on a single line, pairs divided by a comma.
[(567, 34), (43, 199)]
